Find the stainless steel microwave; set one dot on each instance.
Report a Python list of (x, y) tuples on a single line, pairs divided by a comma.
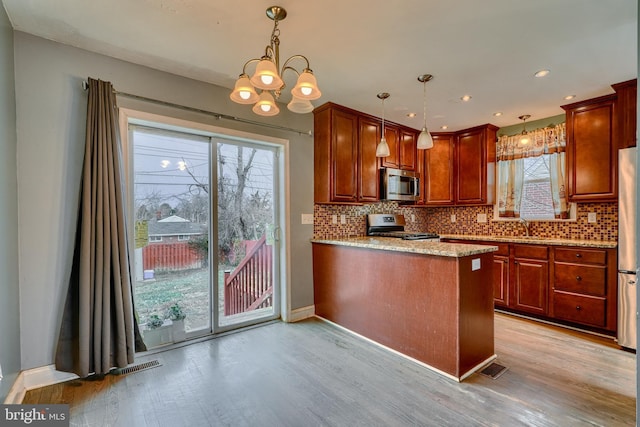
[(400, 185)]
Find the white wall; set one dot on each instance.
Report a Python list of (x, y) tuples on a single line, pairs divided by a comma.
[(9, 313), (50, 124)]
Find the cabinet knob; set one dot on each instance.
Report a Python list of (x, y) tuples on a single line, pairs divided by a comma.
[(578, 307), (578, 255), (578, 278)]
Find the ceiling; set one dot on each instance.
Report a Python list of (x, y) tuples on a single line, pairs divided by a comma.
[(489, 50)]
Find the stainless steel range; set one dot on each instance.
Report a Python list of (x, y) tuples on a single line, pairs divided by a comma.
[(392, 225)]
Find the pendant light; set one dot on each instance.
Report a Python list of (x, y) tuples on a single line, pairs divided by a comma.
[(382, 150), (425, 141), (524, 136)]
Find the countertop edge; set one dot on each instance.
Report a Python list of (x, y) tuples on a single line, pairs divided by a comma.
[(603, 244), (424, 247)]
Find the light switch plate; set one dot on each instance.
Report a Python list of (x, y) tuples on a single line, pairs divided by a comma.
[(343, 219), (307, 219), (334, 219), (453, 218), (413, 218), (592, 217), (482, 218)]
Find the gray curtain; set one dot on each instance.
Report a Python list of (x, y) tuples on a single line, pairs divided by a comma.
[(99, 330)]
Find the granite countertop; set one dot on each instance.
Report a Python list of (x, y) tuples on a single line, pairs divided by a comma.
[(425, 247), (534, 240)]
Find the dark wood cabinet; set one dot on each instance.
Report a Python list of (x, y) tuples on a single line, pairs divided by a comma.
[(474, 149), (460, 168), (408, 150), (436, 167), (626, 107), (568, 284), (335, 155), (368, 176), (592, 156), (585, 287), (402, 148), (530, 278), (346, 169), (501, 275)]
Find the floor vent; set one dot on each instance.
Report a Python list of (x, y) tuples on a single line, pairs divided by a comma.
[(494, 370), (135, 368)]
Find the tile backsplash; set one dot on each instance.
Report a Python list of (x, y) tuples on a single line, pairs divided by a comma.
[(438, 220)]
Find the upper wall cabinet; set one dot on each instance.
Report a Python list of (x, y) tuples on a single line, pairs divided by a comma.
[(626, 108), (402, 148), (335, 155), (592, 157), (460, 168), (346, 169)]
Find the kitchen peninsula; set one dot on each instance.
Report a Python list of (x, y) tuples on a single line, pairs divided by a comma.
[(428, 300)]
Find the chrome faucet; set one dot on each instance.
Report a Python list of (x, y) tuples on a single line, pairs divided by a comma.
[(526, 226)]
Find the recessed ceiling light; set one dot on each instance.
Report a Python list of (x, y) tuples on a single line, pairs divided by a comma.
[(444, 127), (411, 115), (568, 97), (466, 98), (497, 113), (542, 73)]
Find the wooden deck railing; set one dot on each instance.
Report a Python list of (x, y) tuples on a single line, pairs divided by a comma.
[(250, 285)]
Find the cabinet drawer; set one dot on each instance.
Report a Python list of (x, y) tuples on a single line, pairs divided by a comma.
[(503, 248), (580, 279), (579, 308), (531, 251), (579, 255)]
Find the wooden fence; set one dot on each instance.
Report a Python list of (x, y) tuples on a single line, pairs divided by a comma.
[(170, 257)]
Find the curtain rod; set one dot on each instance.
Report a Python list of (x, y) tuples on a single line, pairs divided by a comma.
[(85, 86)]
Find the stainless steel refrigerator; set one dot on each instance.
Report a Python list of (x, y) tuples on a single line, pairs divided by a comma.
[(627, 265)]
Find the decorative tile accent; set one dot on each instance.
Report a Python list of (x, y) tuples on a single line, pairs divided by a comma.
[(438, 220)]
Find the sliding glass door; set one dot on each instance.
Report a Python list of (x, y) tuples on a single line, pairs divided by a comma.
[(206, 218)]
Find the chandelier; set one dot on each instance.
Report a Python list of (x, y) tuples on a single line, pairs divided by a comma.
[(268, 78)]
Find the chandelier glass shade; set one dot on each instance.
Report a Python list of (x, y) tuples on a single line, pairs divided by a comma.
[(425, 141), (268, 78)]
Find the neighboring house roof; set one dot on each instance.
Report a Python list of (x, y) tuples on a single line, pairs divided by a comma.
[(173, 226)]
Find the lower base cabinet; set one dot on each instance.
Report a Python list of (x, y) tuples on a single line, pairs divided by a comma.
[(569, 284)]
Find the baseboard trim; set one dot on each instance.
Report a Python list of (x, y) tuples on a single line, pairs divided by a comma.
[(35, 378), (301, 313)]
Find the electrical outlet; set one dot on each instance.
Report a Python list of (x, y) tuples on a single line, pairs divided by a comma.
[(592, 217), (482, 218), (453, 218), (307, 219), (343, 219), (334, 219), (413, 218)]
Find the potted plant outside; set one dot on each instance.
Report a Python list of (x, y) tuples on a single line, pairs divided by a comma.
[(158, 331), (177, 316)]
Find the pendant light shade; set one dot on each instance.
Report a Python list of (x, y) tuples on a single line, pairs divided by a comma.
[(244, 93), (382, 149), (425, 141), (524, 136), (306, 87), (266, 105)]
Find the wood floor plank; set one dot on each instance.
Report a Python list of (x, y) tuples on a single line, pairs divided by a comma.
[(313, 374)]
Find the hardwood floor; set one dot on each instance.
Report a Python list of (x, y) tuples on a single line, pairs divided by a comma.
[(311, 373)]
